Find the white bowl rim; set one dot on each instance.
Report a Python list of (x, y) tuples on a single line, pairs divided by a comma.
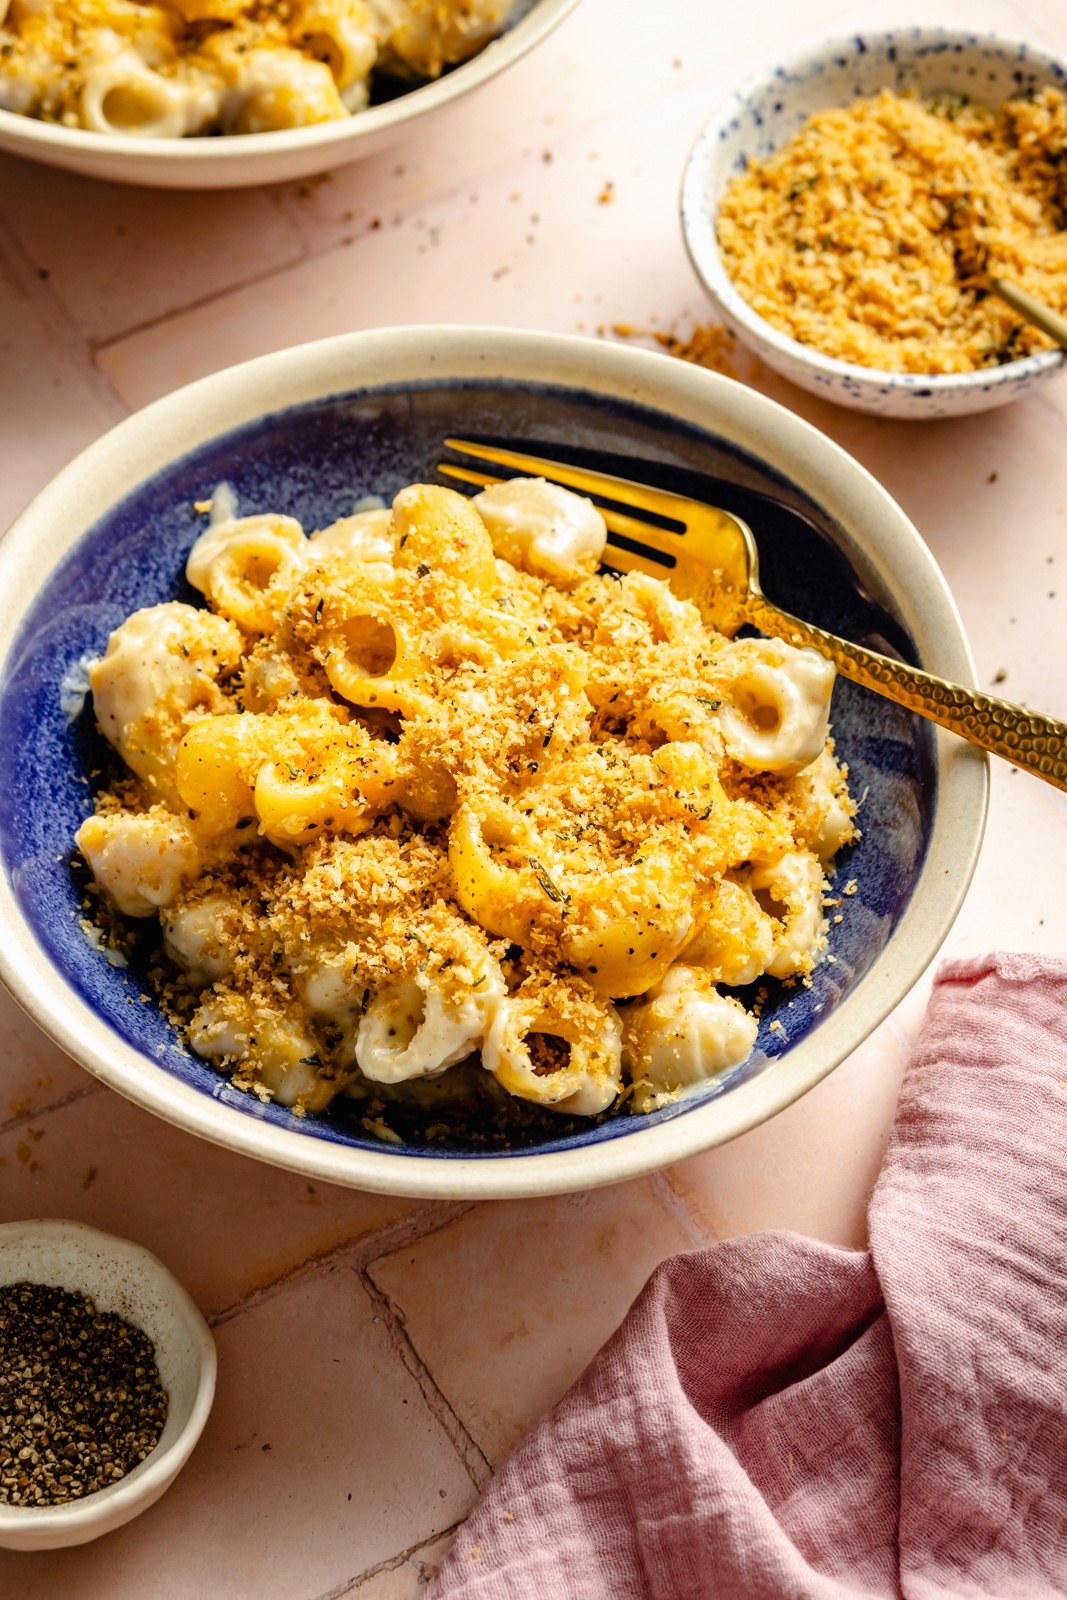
[(702, 244), (159, 1465), (152, 438), (328, 137)]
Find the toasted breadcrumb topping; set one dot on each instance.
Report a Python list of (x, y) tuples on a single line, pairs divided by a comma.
[(434, 808), (867, 234)]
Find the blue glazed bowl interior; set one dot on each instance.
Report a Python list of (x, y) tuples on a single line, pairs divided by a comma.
[(314, 462)]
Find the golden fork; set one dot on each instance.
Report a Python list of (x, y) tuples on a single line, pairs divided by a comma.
[(712, 560)]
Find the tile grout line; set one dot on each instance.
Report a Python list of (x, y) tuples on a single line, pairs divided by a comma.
[(99, 347), (676, 1207), (282, 202), (58, 323), (356, 233), (81, 1093), (390, 1564), (357, 1252), (475, 1463), (305, 254)]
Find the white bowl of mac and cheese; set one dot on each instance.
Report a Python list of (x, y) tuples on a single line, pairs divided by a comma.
[(443, 863), (211, 94)]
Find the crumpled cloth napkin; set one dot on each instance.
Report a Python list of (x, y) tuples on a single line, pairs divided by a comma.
[(780, 1419)]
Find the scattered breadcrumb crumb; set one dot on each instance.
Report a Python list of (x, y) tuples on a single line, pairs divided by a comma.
[(708, 345)]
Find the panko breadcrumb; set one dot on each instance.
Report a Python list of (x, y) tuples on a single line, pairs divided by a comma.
[(864, 235)]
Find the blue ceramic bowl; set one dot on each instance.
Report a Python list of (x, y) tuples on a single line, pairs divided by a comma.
[(310, 431), (765, 114)]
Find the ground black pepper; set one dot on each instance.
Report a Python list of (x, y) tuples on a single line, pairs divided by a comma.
[(81, 1402)]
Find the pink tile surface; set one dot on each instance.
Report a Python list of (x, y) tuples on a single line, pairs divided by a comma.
[(538, 1286), (227, 1226), (35, 1076), (112, 282), (46, 376), (811, 1168), (382, 1349), (320, 1461)]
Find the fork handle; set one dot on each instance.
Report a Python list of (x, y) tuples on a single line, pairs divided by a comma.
[(1025, 738)]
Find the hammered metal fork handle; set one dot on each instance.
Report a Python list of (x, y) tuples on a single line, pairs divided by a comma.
[(1025, 738)]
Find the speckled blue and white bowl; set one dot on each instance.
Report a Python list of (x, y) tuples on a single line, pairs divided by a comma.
[(768, 110), (309, 432)]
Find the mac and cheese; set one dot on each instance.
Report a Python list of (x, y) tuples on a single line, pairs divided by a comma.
[(162, 71), (428, 786)]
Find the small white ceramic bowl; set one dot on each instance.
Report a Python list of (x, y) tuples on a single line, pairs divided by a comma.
[(765, 114), (259, 158), (126, 1279)]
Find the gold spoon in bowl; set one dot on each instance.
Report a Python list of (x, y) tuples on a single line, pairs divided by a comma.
[(1021, 300), (712, 560)]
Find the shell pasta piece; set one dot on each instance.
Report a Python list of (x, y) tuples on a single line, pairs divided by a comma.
[(141, 860), (247, 567), (422, 800), (776, 716), (124, 96), (341, 34), (417, 1029), (425, 36), (539, 525), (791, 890), (278, 1052), (555, 1044), (295, 774), (197, 938), (682, 1034), (736, 944), (161, 672)]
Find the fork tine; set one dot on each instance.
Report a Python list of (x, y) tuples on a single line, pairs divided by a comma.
[(659, 501), (655, 540)]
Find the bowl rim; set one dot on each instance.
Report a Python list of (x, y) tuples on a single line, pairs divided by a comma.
[(329, 138), (151, 1476), (169, 428), (698, 214)]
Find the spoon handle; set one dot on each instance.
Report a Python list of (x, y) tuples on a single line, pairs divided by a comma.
[(1035, 311), (1025, 738)]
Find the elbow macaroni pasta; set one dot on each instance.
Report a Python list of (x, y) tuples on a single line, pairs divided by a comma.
[(425, 787), (164, 71)]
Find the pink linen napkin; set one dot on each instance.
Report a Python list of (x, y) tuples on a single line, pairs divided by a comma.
[(778, 1419)]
